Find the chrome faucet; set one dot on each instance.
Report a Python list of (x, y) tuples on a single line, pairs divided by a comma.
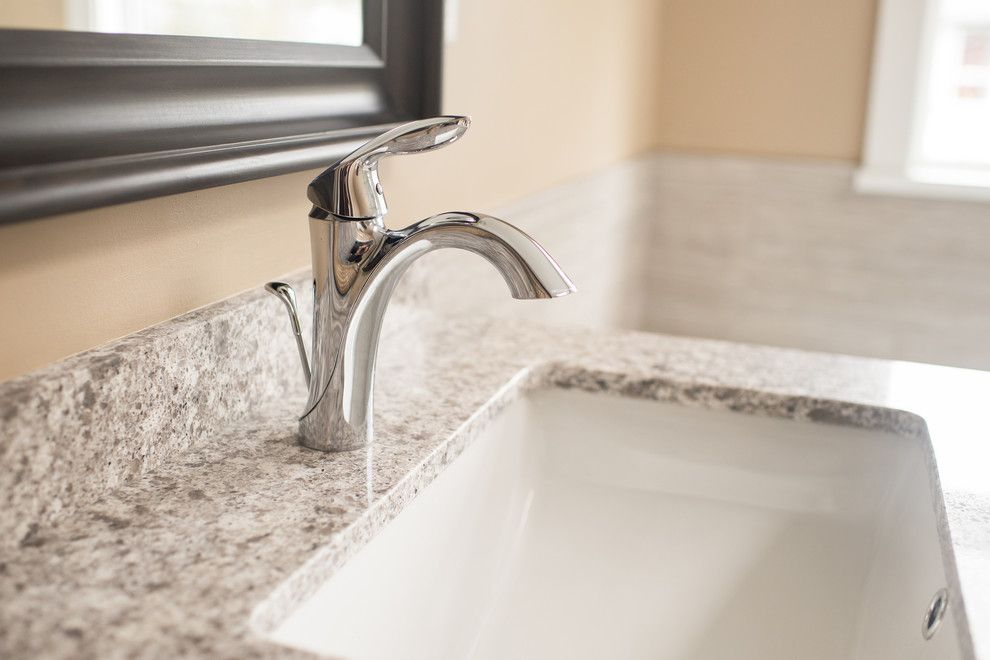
[(357, 262)]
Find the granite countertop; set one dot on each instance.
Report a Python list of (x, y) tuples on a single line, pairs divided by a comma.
[(198, 554)]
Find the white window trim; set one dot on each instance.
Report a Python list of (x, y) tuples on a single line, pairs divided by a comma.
[(903, 44)]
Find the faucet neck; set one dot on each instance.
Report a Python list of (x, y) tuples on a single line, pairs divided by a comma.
[(343, 253)]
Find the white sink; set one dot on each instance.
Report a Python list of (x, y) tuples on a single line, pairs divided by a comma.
[(587, 526)]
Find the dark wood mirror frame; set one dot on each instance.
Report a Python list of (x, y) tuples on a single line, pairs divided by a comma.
[(90, 120)]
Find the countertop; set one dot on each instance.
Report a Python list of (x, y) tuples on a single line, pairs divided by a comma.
[(206, 550)]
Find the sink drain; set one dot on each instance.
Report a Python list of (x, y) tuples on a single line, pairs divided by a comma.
[(936, 612)]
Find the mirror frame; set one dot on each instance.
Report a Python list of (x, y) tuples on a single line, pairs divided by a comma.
[(90, 120)]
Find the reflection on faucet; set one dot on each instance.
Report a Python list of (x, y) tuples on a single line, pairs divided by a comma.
[(357, 262)]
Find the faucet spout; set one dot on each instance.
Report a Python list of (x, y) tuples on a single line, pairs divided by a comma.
[(357, 264), (528, 270)]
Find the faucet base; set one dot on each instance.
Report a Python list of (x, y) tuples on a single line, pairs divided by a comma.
[(323, 432)]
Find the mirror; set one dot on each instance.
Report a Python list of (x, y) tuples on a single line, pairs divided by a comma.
[(112, 101), (305, 21)]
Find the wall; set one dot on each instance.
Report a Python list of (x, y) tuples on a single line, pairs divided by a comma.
[(766, 250), (556, 91), (775, 251), (33, 14), (770, 77), (784, 252)]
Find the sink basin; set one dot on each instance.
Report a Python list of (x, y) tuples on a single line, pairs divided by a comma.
[(591, 526)]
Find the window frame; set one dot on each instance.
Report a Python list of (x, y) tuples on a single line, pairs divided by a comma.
[(905, 33)]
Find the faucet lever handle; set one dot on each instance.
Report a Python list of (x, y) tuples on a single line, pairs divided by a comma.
[(287, 295), (350, 188)]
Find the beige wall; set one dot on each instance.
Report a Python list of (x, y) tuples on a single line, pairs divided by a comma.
[(768, 77), (556, 89), (33, 14)]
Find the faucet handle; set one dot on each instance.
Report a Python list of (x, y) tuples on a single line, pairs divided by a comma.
[(351, 189), (287, 295)]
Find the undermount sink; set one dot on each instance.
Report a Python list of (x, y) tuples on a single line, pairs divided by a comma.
[(591, 526)]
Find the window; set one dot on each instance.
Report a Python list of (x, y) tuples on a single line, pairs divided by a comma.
[(928, 130)]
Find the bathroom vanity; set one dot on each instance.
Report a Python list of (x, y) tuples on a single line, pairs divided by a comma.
[(714, 496)]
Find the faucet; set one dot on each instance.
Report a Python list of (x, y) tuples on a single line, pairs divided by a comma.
[(357, 262)]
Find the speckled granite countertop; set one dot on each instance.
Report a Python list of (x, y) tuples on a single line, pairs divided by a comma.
[(194, 556)]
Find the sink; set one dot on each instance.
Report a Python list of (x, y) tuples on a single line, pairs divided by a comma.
[(592, 526)]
